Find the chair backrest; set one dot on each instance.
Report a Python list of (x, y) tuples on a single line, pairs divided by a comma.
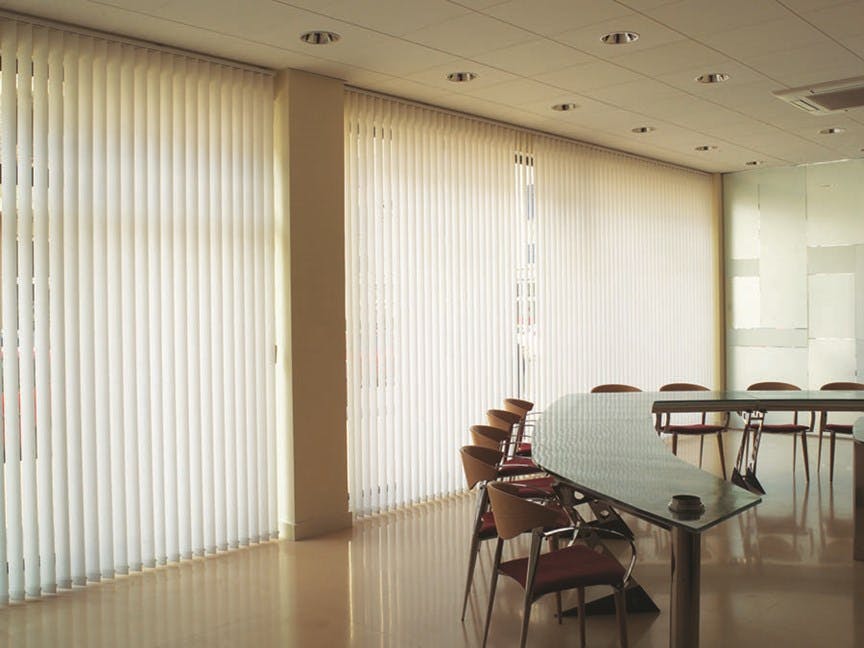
[(612, 388), (683, 387), (518, 406), (515, 515), (502, 419), (479, 464), (773, 386), (843, 386), (488, 436)]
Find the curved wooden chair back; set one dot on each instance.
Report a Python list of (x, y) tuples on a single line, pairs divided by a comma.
[(502, 419), (683, 387), (479, 464), (613, 388), (773, 386), (843, 386), (518, 406), (515, 515), (488, 436)]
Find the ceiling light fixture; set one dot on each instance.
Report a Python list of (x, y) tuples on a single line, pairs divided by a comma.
[(834, 130), (620, 38), (713, 77), (755, 163), (564, 107), (461, 77), (319, 37), (706, 147), (643, 129)]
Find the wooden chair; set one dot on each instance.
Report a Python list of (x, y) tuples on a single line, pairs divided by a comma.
[(489, 436), (834, 428), (576, 566), (612, 388), (481, 466), (522, 408), (691, 429), (794, 428)]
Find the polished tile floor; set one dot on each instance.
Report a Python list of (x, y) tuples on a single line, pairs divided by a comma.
[(779, 575)]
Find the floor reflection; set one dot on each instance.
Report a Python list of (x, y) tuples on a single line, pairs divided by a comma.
[(781, 573)]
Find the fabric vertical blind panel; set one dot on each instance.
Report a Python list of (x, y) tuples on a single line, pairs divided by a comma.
[(484, 261), (137, 300)]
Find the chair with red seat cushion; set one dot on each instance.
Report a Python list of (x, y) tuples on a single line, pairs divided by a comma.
[(481, 466), (692, 429), (794, 428), (522, 408), (834, 428), (613, 388), (577, 566), (489, 436)]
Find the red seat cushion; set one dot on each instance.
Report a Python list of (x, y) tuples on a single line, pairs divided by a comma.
[(784, 428), (696, 428), (576, 566), (538, 487), (838, 428), (487, 526), (517, 466), (524, 450)]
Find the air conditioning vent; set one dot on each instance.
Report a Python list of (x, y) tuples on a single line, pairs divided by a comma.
[(826, 98)]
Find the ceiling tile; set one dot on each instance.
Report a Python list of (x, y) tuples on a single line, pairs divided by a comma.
[(635, 94), (437, 76), (581, 78), (589, 39), (839, 20), (555, 16), (395, 17), (803, 66), (787, 33), (470, 34), (534, 57), (672, 57), (516, 93), (702, 17)]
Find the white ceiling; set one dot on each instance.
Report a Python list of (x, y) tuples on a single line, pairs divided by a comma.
[(531, 54)]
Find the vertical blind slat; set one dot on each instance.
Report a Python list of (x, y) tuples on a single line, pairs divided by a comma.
[(135, 184)]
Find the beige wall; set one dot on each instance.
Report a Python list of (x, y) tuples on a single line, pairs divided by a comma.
[(311, 375)]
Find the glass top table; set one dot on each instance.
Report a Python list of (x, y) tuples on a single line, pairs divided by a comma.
[(606, 446)]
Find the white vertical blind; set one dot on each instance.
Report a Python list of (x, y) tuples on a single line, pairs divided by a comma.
[(136, 187), (485, 262)]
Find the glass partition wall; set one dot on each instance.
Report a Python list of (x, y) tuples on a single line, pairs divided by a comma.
[(484, 261), (795, 273)]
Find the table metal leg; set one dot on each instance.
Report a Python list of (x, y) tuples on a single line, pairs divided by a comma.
[(858, 499), (684, 606)]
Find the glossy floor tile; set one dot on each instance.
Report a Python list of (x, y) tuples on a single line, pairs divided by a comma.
[(779, 575)]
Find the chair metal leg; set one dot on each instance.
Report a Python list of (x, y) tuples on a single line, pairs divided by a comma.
[(675, 443), (492, 584), (621, 616), (581, 607), (533, 559), (472, 562), (701, 448), (526, 618), (804, 452), (822, 419), (722, 455), (832, 442)]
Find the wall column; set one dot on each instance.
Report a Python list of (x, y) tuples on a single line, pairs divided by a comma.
[(310, 307)]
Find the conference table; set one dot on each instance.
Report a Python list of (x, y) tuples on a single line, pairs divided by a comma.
[(606, 446)]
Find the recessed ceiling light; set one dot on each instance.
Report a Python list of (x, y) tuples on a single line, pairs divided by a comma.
[(564, 107), (713, 77), (706, 147), (620, 38), (834, 130), (643, 129), (461, 77), (755, 162), (320, 37)]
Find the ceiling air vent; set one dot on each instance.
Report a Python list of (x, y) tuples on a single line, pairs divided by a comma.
[(826, 98)]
